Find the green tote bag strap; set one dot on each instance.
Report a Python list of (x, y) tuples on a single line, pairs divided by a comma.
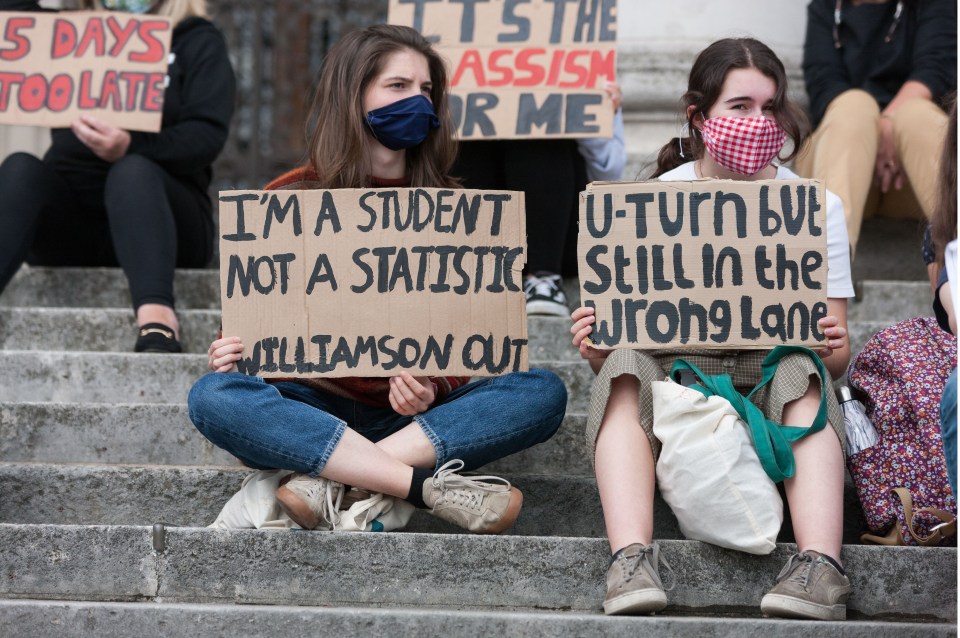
[(771, 440)]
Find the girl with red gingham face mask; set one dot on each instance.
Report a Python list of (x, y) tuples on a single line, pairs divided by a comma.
[(743, 144)]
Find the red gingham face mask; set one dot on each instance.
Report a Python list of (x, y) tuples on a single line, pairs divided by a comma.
[(743, 144)]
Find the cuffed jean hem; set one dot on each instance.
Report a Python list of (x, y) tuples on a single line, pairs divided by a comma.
[(439, 449), (334, 442)]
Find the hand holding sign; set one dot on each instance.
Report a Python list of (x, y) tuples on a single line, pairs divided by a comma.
[(410, 395), (107, 142)]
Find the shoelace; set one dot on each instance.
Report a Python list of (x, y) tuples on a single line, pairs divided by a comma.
[(650, 557), (462, 490), (329, 494), (543, 286), (803, 563)]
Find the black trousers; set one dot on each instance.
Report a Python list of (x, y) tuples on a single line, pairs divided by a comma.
[(551, 173), (136, 216)]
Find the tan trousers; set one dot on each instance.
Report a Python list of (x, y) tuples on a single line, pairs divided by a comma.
[(843, 150)]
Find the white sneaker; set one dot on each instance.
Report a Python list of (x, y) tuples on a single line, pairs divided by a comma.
[(311, 503), (480, 504), (545, 295)]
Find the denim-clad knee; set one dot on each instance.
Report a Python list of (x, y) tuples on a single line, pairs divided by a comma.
[(494, 417), (478, 423), (252, 420)]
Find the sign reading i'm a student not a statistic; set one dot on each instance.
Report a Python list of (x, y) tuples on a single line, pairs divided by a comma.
[(370, 282), (55, 67)]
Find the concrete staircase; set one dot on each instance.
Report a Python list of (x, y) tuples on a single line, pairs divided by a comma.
[(105, 487)]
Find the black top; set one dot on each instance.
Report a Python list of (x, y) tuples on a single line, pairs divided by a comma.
[(923, 47), (197, 106)]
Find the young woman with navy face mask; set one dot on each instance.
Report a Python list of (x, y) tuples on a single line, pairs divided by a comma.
[(379, 119), (737, 111)]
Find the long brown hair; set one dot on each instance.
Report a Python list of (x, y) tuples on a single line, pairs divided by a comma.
[(943, 226), (703, 90), (340, 142)]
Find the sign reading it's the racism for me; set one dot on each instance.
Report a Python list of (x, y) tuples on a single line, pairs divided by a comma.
[(55, 67), (704, 264), (358, 282), (522, 69)]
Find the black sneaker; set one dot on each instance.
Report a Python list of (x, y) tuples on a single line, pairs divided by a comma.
[(545, 295)]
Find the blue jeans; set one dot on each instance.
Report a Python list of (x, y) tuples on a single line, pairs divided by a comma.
[(294, 427), (948, 427)]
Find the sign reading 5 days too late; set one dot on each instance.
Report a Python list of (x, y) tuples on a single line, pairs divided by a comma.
[(55, 67)]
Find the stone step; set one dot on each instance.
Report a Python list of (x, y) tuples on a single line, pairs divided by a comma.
[(159, 434), (95, 377), (890, 301), (187, 620), (112, 330), (192, 496), (109, 377), (877, 300), (428, 570), (103, 287)]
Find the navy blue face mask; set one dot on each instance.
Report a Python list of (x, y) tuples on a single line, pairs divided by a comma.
[(404, 123)]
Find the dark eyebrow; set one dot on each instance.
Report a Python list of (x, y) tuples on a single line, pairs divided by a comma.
[(398, 77), (738, 99)]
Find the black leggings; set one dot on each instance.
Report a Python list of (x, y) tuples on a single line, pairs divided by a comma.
[(551, 174), (138, 217)]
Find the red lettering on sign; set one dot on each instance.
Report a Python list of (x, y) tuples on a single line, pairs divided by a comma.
[(134, 82), (555, 68), (60, 94), (121, 34), (535, 70), (33, 93), (154, 52), (604, 64), (85, 99), (64, 38), (470, 61), (8, 79), (153, 96), (93, 34), (570, 67), (12, 35), (111, 91), (564, 68), (506, 72)]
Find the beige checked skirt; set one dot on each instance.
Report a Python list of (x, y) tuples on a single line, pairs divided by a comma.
[(788, 384)]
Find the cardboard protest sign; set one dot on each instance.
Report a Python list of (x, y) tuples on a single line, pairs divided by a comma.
[(529, 69), (56, 66), (704, 264), (370, 282)]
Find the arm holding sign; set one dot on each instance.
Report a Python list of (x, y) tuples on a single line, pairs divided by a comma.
[(606, 157), (836, 351), (583, 320)]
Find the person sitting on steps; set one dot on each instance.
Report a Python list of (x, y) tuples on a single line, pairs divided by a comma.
[(104, 196), (739, 115), (405, 436)]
